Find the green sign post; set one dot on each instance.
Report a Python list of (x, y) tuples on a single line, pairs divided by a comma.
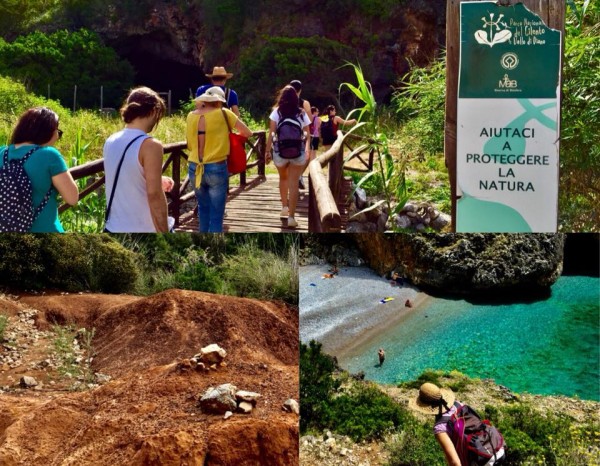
[(508, 118)]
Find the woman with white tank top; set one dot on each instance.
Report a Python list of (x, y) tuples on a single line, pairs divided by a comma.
[(135, 196)]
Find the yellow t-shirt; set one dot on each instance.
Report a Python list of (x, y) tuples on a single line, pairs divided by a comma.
[(216, 139)]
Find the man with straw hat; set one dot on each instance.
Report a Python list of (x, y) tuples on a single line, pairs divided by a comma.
[(483, 446), (219, 77)]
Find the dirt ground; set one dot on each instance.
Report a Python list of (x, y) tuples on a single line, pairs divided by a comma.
[(147, 413)]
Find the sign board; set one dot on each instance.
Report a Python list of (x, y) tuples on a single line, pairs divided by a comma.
[(507, 120)]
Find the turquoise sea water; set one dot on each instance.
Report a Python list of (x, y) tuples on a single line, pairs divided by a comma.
[(544, 347)]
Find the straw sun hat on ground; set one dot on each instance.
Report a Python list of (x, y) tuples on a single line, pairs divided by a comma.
[(219, 72), (430, 398), (212, 94)]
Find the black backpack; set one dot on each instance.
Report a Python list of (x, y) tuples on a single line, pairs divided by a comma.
[(289, 137), (328, 131), (16, 196), (476, 440)]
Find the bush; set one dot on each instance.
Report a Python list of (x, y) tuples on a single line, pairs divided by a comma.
[(64, 59), (580, 140), (416, 446), (66, 262), (274, 61), (365, 413), (420, 106), (317, 385), (255, 273), (3, 325), (553, 439)]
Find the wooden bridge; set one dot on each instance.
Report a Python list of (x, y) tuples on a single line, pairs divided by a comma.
[(253, 203)]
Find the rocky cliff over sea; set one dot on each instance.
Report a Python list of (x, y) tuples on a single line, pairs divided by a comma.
[(473, 264)]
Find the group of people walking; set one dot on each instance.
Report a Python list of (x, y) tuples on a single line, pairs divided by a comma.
[(135, 186)]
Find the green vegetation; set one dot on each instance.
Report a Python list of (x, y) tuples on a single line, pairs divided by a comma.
[(66, 262), (64, 339), (74, 352), (410, 130), (391, 172), (64, 59), (580, 138), (419, 105), (276, 60), (3, 325), (329, 399), (262, 266)]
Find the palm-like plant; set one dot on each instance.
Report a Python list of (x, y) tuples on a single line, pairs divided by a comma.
[(392, 172)]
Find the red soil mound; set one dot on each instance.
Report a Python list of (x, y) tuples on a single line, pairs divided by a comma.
[(149, 415), (175, 324), (79, 309)]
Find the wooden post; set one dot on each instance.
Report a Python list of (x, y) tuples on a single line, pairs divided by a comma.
[(552, 12), (101, 97), (75, 97), (336, 173), (262, 149), (175, 192)]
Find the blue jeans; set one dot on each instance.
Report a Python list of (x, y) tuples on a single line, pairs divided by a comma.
[(211, 196)]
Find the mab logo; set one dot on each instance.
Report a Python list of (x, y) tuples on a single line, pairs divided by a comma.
[(507, 83)]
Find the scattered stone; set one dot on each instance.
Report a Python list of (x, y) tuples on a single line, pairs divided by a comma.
[(421, 215), (250, 397), (245, 407), (228, 414), (28, 382), (358, 376), (201, 367), (219, 400), (184, 366), (291, 406), (102, 378), (360, 198), (211, 354)]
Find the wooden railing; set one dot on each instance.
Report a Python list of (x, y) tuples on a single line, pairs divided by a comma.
[(326, 191), (175, 152)]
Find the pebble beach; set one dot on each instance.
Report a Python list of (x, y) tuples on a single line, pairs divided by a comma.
[(345, 313)]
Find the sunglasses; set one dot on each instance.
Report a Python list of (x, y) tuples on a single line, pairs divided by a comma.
[(60, 133)]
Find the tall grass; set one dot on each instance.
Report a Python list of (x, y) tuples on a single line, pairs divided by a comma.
[(261, 266)]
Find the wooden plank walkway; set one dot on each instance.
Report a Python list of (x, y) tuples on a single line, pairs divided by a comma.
[(255, 208)]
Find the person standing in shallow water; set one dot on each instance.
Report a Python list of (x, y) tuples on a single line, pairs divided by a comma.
[(381, 355)]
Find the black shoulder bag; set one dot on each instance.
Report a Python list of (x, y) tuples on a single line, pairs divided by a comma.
[(114, 187)]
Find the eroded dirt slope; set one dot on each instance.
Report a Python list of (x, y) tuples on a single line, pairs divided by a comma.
[(148, 413)]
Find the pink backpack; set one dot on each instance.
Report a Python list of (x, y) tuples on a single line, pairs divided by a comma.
[(476, 440)]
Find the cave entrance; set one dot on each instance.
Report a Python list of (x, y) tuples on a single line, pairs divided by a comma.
[(156, 66)]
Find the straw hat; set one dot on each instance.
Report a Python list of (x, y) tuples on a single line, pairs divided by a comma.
[(219, 72), (430, 399), (212, 94)]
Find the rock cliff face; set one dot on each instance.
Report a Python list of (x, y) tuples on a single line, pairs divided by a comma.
[(468, 264), (172, 44)]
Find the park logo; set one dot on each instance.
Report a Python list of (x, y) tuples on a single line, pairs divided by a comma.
[(496, 34), (507, 83), (509, 61)]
